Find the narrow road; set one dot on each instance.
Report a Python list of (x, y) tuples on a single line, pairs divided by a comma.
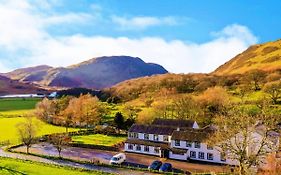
[(73, 164)]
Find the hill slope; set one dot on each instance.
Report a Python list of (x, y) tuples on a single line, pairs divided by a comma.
[(265, 57), (27, 73), (8, 86), (96, 73)]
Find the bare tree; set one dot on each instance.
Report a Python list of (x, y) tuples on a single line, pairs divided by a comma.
[(59, 141), (246, 139), (27, 132)]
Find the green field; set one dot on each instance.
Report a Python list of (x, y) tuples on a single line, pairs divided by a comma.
[(14, 104), (8, 129), (20, 167), (11, 111), (98, 139), (16, 107)]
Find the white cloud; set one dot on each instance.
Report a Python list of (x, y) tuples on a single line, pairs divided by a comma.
[(68, 18), (177, 56), (140, 23), (23, 30)]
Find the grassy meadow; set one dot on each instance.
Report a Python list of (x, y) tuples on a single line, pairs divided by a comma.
[(11, 112), (20, 167), (98, 139)]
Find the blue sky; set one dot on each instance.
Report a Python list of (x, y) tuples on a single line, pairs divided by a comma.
[(182, 35)]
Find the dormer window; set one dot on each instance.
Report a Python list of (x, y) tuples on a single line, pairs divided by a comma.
[(177, 143), (188, 144), (197, 145), (209, 147), (131, 135), (146, 136), (165, 138), (155, 137)]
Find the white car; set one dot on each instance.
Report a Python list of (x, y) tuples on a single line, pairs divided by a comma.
[(118, 159)]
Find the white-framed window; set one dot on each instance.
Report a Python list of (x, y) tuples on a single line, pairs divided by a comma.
[(146, 136), (209, 147), (165, 138), (177, 143), (146, 148), (188, 144), (197, 144), (155, 137), (130, 147), (201, 155), (210, 156), (156, 150), (138, 148), (192, 154), (223, 157)]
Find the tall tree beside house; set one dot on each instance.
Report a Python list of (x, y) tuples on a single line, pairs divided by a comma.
[(245, 138), (214, 101), (27, 132), (186, 108), (146, 116), (119, 121)]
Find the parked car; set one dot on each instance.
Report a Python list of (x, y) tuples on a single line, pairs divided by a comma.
[(166, 167), (118, 159), (155, 165)]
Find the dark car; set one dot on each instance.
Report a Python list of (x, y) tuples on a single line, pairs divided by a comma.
[(166, 167), (155, 165)]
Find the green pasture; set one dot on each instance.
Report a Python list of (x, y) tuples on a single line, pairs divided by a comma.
[(14, 104), (17, 107), (19, 167), (98, 139), (9, 132), (11, 112)]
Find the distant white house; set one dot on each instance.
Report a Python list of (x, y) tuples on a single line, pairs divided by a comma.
[(176, 139)]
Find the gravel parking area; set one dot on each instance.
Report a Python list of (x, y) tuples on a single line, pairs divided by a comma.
[(84, 154)]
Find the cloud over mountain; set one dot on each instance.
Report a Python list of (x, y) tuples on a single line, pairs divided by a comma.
[(25, 40)]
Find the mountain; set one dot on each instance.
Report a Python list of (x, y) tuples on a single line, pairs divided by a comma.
[(28, 74), (265, 57), (8, 86), (95, 73)]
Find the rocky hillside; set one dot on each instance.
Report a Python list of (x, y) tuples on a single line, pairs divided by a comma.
[(96, 73), (265, 57)]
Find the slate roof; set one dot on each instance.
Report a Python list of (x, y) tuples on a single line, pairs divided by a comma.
[(199, 135), (152, 129), (174, 123)]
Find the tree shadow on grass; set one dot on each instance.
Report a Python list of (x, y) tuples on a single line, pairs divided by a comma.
[(11, 171)]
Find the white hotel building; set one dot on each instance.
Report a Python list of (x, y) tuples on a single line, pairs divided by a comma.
[(175, 139)]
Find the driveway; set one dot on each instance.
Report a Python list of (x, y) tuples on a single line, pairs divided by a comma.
[(84, 154), (73, 164)]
